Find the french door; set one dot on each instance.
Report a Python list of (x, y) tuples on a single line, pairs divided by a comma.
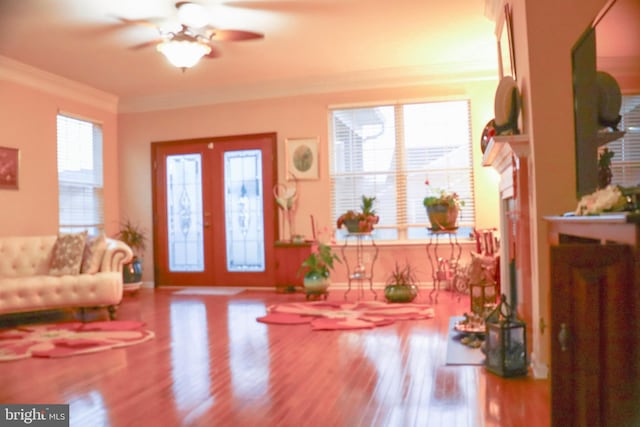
[(214, 222)]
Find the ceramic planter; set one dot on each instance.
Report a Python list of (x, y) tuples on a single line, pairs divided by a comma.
[(400, 293), (443, 217)]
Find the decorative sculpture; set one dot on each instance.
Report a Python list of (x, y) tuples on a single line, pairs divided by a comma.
[(286, 198)]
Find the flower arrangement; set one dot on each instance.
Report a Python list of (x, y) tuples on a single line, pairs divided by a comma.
[(442, 197), (362, 221), (608, 199)]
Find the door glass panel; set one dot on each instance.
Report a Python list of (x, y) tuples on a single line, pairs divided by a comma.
[(243, 206), (184, 212)]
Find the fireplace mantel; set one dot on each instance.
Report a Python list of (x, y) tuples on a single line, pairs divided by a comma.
[(499, 154), (508, 155)]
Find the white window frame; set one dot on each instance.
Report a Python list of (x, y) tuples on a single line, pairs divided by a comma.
[(411, 221), (80, 174)]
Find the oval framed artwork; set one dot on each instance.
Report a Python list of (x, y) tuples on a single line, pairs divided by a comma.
[(302, 158)]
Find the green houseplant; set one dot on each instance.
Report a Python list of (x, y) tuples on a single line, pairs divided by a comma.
[(401, 284), (360, 221), (317, 268), (442, 208), (136, 238)]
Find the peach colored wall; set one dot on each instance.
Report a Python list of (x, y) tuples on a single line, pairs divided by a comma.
[(28, 122), (545, 32), (299, 116)]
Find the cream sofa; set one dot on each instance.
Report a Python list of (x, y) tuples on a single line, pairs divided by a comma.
[(26, 283)]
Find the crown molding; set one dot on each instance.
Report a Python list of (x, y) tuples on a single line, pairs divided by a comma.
[(372, 79), (27, 75)]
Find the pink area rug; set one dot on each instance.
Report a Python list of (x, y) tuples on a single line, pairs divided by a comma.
[(324, 315), (69, 339)]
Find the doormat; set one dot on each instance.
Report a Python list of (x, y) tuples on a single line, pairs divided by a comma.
[(210, 291), (458, 353), (324, 315), (70, 339)]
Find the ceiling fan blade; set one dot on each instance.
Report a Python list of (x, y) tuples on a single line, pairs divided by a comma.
[(291, 6), (144, 22), (146, 44), (215, 53), (232, 35)]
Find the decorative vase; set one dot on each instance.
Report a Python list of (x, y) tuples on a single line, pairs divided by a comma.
[(443, 217), (400, 293), (316, 284), (132, 272)]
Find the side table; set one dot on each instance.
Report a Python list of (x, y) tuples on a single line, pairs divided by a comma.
[(442, 268), (359, 254)]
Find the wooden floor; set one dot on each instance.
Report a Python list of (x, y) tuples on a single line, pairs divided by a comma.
[(212, 364)]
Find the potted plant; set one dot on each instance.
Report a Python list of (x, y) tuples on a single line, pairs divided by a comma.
[(317, 269), (360, 221), (401, 284), (442, 209), (135, 237)]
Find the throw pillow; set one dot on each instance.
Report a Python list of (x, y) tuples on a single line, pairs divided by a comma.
[(93, 252), (67, 254)]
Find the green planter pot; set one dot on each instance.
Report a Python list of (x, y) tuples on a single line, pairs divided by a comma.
[(132, 272), (400, 293), (316, 285), (443, 217)]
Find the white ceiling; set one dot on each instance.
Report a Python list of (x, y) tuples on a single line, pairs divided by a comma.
[(309, 46)]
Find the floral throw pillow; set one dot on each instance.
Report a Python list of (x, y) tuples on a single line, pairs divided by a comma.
[(93, 252), (67, 254)]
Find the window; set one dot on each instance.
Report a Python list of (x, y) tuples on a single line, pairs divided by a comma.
[(625, 164), (80, 182), (388, 151)]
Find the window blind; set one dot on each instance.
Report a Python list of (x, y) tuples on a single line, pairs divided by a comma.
[(80, 177), (625, 164), (388, 151)]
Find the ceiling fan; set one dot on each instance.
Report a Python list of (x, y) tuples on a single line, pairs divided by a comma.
[(185, 47)]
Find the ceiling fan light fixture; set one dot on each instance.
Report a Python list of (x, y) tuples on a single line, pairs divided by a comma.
[(183, 53)]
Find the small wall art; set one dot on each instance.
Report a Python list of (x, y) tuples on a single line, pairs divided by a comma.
[(302, 158), (9, 163), (506, 49)]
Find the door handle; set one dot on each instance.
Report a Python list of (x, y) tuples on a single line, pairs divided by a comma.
[(563, 337)]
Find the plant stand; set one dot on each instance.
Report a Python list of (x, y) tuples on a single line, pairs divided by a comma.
[(359, 254), (442, 268)]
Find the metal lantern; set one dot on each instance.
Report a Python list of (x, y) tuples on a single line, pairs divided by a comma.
[(505, 342)]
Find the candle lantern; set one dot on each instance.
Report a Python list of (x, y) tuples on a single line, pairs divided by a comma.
[(505, 342), (483, 286), (483, 294)]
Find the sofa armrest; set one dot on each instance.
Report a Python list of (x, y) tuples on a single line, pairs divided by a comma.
[(117, 254)]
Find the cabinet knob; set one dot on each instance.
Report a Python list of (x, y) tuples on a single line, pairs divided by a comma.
[(563, 337)]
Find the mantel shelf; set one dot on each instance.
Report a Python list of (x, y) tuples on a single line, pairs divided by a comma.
[(501, 147)]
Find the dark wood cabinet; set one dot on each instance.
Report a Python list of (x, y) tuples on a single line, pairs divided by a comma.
[(289, 256), (595, 309)]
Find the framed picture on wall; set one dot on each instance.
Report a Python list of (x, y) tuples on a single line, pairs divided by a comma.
[(302, 158), (9, 163), (506, 50)]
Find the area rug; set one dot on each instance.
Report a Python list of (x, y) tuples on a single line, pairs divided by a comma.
[(69, 339), (210, 291), (458, 353), (327, 315)]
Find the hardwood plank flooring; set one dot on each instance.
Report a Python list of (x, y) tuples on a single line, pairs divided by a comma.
[(212, 364)]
